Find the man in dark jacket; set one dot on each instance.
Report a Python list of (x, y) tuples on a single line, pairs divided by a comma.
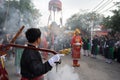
[(32, 67), (110, 52), (95, 43)]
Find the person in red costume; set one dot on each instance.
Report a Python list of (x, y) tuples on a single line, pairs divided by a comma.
[(76, 44), (45, 45)]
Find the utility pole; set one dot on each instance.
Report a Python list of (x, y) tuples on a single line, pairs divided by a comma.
[(92, 25)]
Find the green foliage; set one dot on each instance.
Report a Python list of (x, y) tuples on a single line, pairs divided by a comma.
[(113, 22), (106, 22), (25, 11), (83, 21), (26, 5)]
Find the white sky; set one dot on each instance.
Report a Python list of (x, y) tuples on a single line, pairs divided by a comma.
[(70, 7)]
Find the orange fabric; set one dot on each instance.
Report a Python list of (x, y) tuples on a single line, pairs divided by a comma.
[(76, 49), (75, 62)]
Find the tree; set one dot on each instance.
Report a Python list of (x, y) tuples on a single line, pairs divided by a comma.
[(106, 22), (17, 13), (113, 22), (83, 21)]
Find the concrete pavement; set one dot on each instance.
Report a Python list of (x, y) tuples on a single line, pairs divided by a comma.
[(90, 69)]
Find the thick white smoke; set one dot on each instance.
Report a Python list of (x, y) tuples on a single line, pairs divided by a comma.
[(64, 73), (1, 3)]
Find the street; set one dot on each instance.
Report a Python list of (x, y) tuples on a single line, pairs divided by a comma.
[(90, 69)]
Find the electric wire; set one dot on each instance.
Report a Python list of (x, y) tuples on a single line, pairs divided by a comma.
[(104, 6), (108, 8), (98, 5)]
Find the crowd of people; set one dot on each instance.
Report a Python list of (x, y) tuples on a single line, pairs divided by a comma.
[(107, 46)]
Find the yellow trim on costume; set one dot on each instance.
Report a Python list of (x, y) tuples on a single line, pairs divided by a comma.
[(2, 62)]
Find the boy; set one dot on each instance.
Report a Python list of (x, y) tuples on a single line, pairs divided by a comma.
[(32, 67)]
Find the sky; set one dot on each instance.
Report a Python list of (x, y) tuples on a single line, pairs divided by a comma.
[(70, 7)]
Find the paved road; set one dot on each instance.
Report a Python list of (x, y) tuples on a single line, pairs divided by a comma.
[(90, 69)]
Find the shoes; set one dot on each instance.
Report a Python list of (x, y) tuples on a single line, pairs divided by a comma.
[(109, 61), (76, 65)]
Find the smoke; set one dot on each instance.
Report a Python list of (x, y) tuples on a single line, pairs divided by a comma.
[(14, 18), (64, 73), (2, 8), (1, 3), (13, 21)]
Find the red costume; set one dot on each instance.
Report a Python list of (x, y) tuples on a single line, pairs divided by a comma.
[(45, 45), (76, 47), (3, 72)]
